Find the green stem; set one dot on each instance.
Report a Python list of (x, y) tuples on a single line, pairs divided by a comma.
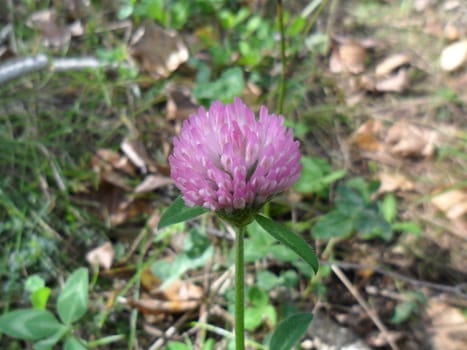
[(239, 291), (280, 15)]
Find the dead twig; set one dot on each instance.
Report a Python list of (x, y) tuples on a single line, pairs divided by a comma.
[(370, 312), (19, 67), (458, 290), (170, 332)]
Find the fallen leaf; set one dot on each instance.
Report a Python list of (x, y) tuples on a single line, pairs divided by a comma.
[(453, 203), (408, 140), (54, 33), (112, 168), (77, 8), (391, 182), (156, 306), (348, 57), (136, 152), (454, 56), (180, 103), (150, 281), (183, 291), (152, 182), (101, 256), (450, 5), (178, 296), (448, 329), (128, 209), (451, 32), (394, 83), (380, 339), (391, 63), (160, 51), (366, 137), (421, 5)]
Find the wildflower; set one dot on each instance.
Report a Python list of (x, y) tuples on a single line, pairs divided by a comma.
[(225, 159)]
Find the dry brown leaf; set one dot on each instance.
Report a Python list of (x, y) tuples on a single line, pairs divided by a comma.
[(408, 140), (453, 203), (451, 32), (391, 63), (128, 209), (178, 296), (367, 135), (101, 256), (77, 8), (54, 34), (391, 182), (112, 168), (152, 182), (136, 152), (159, 50), (448, 329), (180, 103), (348, 57), (156, 306), (182, 291), (394, 83), (454, 56), (379, 339), (150, 281)]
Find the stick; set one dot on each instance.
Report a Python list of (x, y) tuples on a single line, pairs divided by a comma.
[(18, 67), (370, 312)]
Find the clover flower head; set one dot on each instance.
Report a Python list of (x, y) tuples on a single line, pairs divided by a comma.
[(226, 159)]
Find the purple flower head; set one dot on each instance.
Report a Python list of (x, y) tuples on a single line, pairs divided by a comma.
[(226, 159)]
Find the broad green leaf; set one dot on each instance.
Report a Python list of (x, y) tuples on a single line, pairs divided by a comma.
[(175, 345), (260, 309), (40, 297), (289, 332), (34, 283), (403, 311), (225, 88), (179, 212), (333, 224), (29, 324), (407, 226), (370, 224), (317, 176), (49, 342), (349, 200), (389, 207), (72, 343), (72, 302), (197, 251), (266, 280), (290, 239)]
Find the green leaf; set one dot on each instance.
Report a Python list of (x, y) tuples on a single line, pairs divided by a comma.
[(49, 342), (72, 302), (389, 207), (72, 343), (40, 297), (289, 332), (333, 224), (348, 199), (317, 176), (370, 224), (197, 251), (230, 84), (290, 239), (29, 324), (175, 345), (179, 212), (407, 226), (34, 283)]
